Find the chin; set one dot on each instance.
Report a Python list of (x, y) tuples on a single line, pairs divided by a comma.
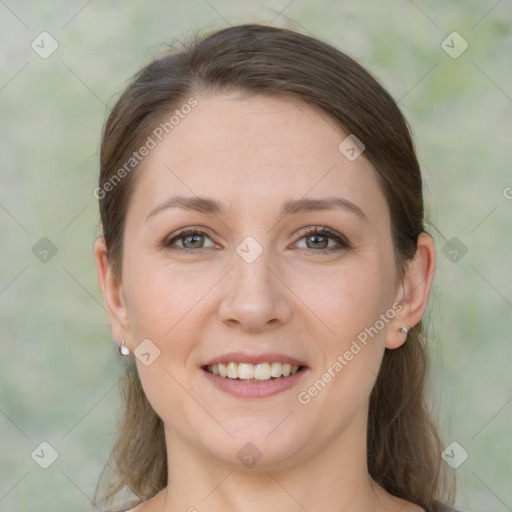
[(267, 443)]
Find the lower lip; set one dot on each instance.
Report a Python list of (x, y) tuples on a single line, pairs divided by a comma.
[(261, 389)]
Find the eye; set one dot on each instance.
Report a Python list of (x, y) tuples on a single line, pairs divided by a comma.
[(323, 240), (189, 239)]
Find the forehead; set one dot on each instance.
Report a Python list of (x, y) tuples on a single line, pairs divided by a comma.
[(254, 151)]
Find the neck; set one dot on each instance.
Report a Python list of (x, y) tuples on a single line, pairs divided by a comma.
[(334, 479)]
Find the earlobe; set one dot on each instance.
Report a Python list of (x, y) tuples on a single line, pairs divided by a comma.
[(112, 292), (414, 291), (396, 337)]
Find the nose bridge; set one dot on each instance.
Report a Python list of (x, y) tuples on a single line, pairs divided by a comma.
[(255, 276), (252, 274), (255, 297), (253, 261)]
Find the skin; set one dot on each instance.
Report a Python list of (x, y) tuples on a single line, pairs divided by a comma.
[(253, 153)]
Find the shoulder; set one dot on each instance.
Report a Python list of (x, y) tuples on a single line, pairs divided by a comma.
[(445, 508), (127, 507)]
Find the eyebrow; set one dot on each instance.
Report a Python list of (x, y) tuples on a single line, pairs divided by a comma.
[(326, 203), (197, 204), (211, 206)]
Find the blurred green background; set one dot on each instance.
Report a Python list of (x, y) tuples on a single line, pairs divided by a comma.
[(59, 369)]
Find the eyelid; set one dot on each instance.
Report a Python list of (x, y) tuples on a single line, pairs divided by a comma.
[(184, 232), (343, 242), (340, 239)]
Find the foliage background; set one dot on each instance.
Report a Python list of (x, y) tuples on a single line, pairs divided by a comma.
[(59, 371)]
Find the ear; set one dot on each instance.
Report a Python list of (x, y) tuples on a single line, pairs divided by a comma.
[(112, 294), (414, 290)]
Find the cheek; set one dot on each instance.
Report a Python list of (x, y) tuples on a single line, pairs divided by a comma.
[(351, 306), (355, 304), (347, 299), (161, 296), (166, 305)]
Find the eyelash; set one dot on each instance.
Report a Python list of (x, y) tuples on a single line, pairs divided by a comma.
[(311, 231)]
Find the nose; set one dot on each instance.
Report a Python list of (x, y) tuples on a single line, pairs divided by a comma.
[(255, 298)]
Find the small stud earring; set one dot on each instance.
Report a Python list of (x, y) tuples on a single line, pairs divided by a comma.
[(124, 350), (403, 330)]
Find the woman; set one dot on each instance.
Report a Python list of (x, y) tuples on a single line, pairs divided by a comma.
[(265, 268)]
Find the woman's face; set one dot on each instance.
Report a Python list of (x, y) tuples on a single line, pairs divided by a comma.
[(251, 238)]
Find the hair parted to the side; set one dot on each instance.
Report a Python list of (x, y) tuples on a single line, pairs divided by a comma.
[(404, 449)]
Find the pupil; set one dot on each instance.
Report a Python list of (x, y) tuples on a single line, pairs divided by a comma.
[(194, 240), (319, 241)]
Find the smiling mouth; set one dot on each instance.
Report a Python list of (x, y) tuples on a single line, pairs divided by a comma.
[(247, 372)]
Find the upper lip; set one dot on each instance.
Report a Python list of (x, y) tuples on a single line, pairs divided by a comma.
[(243, 357)]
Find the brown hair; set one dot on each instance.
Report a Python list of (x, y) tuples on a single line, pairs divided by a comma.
[(403, 445)]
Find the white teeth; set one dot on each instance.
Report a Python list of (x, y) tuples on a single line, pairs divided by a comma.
[(287, 368), (262, 371), (275, 369), (232, 371), (246, 371)]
